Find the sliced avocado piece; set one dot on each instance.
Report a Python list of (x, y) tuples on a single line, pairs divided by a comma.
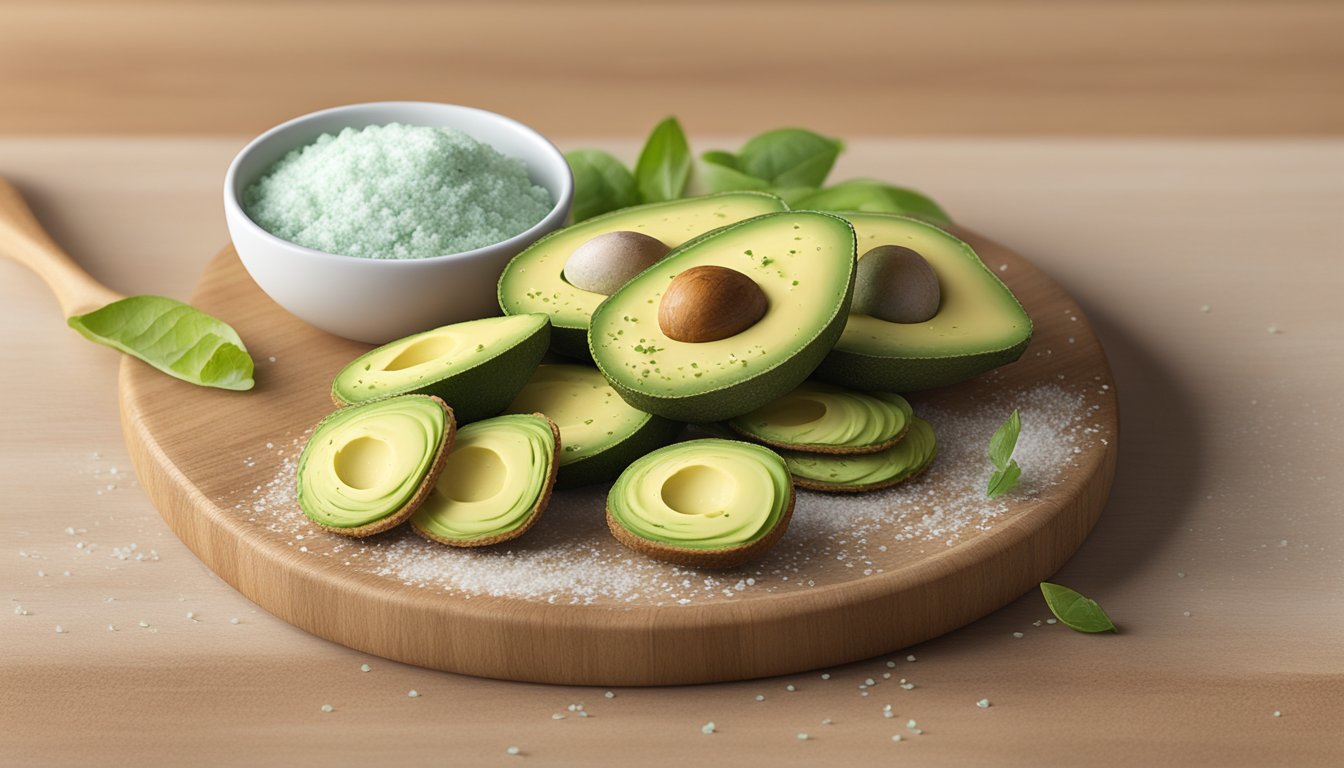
[(979, 326), (803, 262), (534, 280), (368, 467), (869, 472), (476, 367), (600, 434), (822, 418), (703, 503), (495, 484)]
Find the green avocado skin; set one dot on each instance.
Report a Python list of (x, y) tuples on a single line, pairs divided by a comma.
[(728, 402), (907, 374), (485, 389), (607, 466)]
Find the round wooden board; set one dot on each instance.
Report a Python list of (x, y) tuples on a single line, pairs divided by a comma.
[(213, 463)]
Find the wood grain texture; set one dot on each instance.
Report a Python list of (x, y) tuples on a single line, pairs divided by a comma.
[(1225, 505), (191, 447), (852, 67)]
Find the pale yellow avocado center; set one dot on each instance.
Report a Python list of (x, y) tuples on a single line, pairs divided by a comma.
[(440, 351), (688, 500), (699, 489), (582, 404)]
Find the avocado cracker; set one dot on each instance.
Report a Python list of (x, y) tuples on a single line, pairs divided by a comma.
[(535, 281), (476, 367), (368, 467), (600, 434), (868, 472), (802, 261), (703, 503), (495, 483), (822, 418), (979, 325)]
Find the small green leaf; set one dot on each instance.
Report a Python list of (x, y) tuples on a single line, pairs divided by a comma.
[(178, 339), (717, 172), (789, 157), (870, 196), (1075, 611), (1003, 442), (1003, 480), (791, 195), (601, 183), (664, 165)]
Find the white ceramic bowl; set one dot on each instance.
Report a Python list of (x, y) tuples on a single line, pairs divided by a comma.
[(377, 300)]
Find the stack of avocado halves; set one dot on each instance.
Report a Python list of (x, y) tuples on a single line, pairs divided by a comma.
[(792, 329)]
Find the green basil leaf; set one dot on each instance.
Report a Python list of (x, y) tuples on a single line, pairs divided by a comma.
[(789, 157), (664, 165), (1003, 442), (601, 183), (791, 195), (717, 172), (178, 339), (1003, 480), (1074, 610), (869, 196)]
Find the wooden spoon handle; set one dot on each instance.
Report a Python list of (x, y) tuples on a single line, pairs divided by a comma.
[(24, 240)]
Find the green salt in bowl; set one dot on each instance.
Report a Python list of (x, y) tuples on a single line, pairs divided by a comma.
[(378, 300)]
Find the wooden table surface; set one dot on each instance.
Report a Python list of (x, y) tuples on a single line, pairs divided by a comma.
[(1213, 272)]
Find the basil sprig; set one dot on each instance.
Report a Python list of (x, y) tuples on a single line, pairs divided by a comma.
[(1075, 611), (1001, 445)]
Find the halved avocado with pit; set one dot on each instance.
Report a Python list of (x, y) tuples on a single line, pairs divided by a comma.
[(600, 434), (868, 472), (803, 264), (495, 483), (979, 324), (476, 367), (822, 418), (534, 280), (706, 503), (368, 467)]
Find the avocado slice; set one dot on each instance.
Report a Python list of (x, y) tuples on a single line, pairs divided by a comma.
[(703, 503), (600, 434), (476, 367), (495, 484), (822, 418), (869, 472), (368, 467), (803, 262), (534, 280), (979, 325)]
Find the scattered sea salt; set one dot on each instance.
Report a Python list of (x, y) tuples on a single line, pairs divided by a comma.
[(326, 708), (364, 667), (707, 728), (512, 751), (983, 703), (414, 694)]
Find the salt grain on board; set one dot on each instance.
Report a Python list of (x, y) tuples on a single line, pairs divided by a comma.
[(570, 558)]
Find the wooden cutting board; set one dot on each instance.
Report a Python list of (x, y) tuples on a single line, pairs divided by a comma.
[(568, 605)]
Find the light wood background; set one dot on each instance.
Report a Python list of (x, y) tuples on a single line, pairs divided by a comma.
[(1226, 506), (849, 67)]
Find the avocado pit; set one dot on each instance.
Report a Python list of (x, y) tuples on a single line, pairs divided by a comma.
[(709, 303), (608, 261), (896, 284)]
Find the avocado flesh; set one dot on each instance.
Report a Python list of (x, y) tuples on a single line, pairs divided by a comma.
[(476, 367), (902, 461), (803, 262), (702, 494), (827, 418), (979, 326), (600, 434), (494, 481), (366, 462), (534, 280)]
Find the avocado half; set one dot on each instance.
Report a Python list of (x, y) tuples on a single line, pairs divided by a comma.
[(534, 280), (803, 262), (476, 367), (600, 434), (703, 503), (368, 467), (869, 472), (496, 482), (979, 325)]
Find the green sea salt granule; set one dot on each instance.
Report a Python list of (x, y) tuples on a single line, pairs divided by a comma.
[(396, 192)]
